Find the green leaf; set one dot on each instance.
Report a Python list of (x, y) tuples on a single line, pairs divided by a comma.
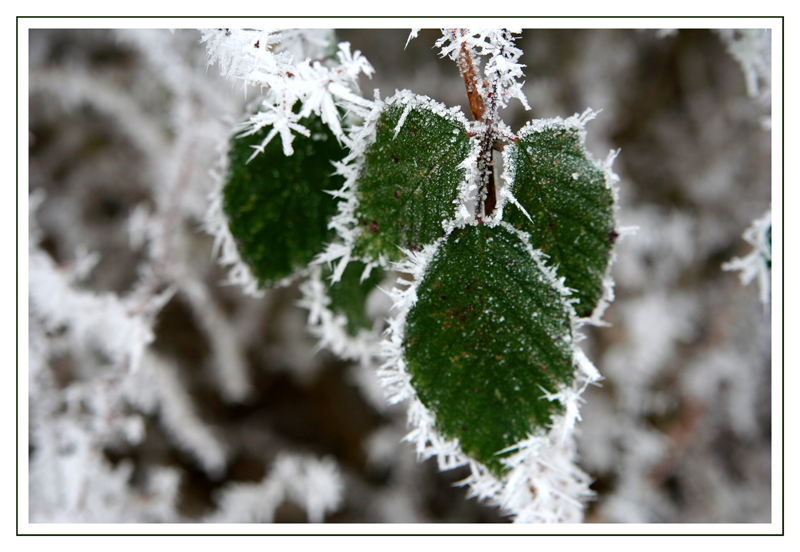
[(409, 183), (769, 243), (349, 295), (489, 334), (571, 207), (277, 207)]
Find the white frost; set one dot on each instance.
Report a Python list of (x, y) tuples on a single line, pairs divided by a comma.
[(501, 68), (542, 483), (290, 66), (755, 263), (315, 485)]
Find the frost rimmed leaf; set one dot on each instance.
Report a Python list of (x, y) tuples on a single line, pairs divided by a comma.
[(349, 295), (540, 482), (277, 208), (489, 339), (565, 201), (412, 176), (338, 311)]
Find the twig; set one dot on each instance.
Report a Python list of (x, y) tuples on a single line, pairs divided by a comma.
[(477, 105), (471, 79)]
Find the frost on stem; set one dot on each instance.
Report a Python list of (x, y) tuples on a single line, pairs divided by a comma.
[(290, 67), (486, 97), (501, 67), (758, 263)]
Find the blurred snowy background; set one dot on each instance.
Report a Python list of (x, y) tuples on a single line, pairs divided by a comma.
[(158, 394)]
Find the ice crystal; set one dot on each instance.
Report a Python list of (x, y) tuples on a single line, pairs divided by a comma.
[(540, 484), (758, 262), (501, 69), (290, 68)]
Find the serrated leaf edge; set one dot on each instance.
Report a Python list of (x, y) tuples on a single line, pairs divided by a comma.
[(505, 194), (359, 139), (224, 248), (542, 482), (217, 225), (330, 328)]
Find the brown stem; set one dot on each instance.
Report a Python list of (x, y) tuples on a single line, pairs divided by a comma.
[(491, 196), (486, 164), (477, 105), (471, 79)]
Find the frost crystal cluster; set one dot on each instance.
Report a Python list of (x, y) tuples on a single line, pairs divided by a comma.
[(483, 341), (297, 72), (259, 295), (117, 265)]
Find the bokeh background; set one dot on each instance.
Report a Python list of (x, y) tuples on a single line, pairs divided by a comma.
[(126, 129)]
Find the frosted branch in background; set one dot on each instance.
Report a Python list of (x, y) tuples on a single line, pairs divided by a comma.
[(106, 336), (119, 327), (315, 485), (160, 394), (751, 48)]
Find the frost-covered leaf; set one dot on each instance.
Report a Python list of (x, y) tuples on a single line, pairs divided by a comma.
[(489, 337), (409, 183), (349, 295), (570, 204), (341, 314), (276, 206)]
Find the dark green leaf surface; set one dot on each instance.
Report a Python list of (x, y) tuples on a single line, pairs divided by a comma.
[(349, 295), (488, 332), (769, 241), (571, 208), (409, 183), (276, 207)]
